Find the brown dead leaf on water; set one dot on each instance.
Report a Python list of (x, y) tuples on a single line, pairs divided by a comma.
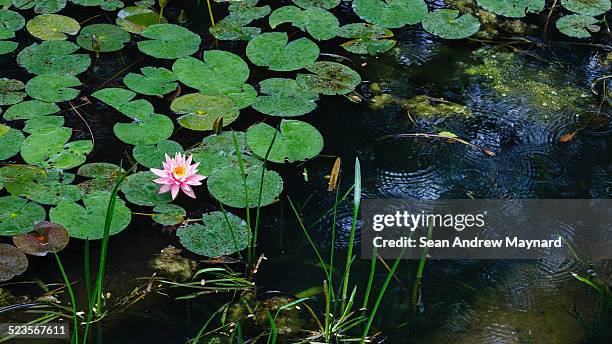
[(568, 137), (334, 176)]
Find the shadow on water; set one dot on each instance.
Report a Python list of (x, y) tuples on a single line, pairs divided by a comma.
[(519, 107)]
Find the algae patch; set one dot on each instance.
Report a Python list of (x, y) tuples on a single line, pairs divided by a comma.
[(543, 88), (420, 105)]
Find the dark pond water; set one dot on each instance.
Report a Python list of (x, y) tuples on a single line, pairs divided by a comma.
[(520, 117)]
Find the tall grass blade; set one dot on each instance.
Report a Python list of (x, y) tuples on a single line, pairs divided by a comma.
[(75, 323), (349, 254)]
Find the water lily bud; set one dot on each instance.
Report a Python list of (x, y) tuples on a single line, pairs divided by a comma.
[(163, 3), (95, 44), (182, 16), (218, 125)]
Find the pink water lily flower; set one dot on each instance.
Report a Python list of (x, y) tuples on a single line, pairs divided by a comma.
[(178, 174)]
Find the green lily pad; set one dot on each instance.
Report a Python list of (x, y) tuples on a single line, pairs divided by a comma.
[(201, 110), (296, 141), (43, 122), (115, 97), (220, 235), (228, 30), (10, 142), (270, 49), (220, 72), (153, 81), (110, 37), (107, 5), (576, 25), (169, 41), (53, 87), (40, 6), (218, 151), (49, 148), (50, 27), (512, 8), (329, 78), (4, 129), (247, 10), (18, 216), (145, 130), (448, 24), (324, 4), (285, 97), (53, 57), (134, 19), (587, 7), (13, 262), (140, 189), (366, 39), (319, 23), (227, 186), (169, 214), (10, 22), (87, 222), (30, 109), (103, 176), (391, 13), (7, 47), (11, 91), (152, 156), (38, 185)]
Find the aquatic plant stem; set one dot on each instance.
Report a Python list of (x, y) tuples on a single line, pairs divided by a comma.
[(380, 297), (370, 279), (75, 323), (246, 198), (419, 276), (349, 254), (210, 13)]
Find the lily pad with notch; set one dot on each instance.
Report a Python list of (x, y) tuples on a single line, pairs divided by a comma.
[(152, 82), (39, 185), (51, 27), (146, 129), (272, 50), (576, 25), (11, 91), (512, 8), (43, 122), (324, 4), (199, 111), (227, 185), (140, 189), (53, 88), (587, 7), (319, 23), (47, 237), (10, 22), (134, 19), (87, 221), (169, 41), (41, 6), (296, 141), (109, 37), (10, 142), (13, 262), (18, 215), (221, 234), (366, 38), (152, 156), (449, 24), (220, 72), (285, 97), (218, 151), (103, 176), (391, 13), (169, 214), (49, 148), (30, 109), (53, 57), (330, 78)]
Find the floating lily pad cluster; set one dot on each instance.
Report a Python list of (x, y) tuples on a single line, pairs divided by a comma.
[(181, 89)]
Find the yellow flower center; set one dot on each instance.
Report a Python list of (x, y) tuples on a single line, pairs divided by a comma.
[(180, 171)]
